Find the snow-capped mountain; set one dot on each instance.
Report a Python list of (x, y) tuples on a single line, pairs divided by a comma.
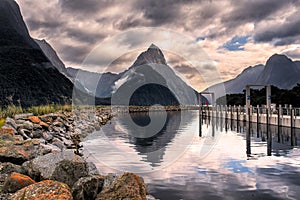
[(101, 83), (149, 80)]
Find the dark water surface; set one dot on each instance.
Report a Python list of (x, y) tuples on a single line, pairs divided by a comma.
[(178, 164)]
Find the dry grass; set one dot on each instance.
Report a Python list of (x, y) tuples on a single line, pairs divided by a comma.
[(11, 111)]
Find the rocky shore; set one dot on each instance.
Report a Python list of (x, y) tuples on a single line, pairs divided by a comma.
[(40, 158)]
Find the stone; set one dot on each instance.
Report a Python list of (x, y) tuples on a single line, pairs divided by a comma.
[(47, 136), (28, 125), (7, 130), (16, 182), (19, 138), (20, 152), (57, 142), (14, 154), (37, 126), (49, 148), (23, 116), (58, 124), (109, 180), (37, 134), (44, 125), (127, 186), (11, 122), (43, 167), (6, 139), (20, 121), (8, 168), (24, 133), (48, 189), (69, 172), (87, 188), (34, 119)]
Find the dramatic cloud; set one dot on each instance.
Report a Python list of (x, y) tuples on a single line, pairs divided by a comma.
[(234, 34)]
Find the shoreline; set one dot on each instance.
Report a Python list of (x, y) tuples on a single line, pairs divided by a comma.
[(41, 148)]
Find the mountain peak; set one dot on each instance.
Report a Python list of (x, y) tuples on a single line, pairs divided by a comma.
[(152, 55), (153, 46), (278, 60)]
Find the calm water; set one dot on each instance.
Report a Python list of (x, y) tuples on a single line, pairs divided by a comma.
[(178, 164)]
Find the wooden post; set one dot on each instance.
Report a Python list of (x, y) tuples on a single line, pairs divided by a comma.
[(257, 121), (292, 111), (248, 136), (269, 136), (226, 118), (279, 114), (231, 118), (200, 121)]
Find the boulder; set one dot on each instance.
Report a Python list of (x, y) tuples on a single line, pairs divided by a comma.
[(11, 122), (87, 188), (23, 116), (47, 136), (27, 125), (48, 189), (8, 168), (34, 119), (19, 152), (127, 186), (24, 133), (44, 125), (7, 130), (69, 172), (16, 182), (37, 134), (49, 166)]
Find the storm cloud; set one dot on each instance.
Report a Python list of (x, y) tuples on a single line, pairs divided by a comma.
[(75, 27)]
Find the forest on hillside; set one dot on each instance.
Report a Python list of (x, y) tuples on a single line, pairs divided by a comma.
[(258, 97)]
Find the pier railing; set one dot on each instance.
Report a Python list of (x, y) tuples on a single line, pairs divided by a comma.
[(281, 116)]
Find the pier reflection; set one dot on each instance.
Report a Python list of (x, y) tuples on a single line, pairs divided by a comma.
[(274, 140)]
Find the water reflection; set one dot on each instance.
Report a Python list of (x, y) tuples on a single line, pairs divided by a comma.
[(277, 139), (213, 166)]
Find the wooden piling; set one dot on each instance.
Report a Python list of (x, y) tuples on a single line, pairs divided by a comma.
[(269, 135), (248, 135)]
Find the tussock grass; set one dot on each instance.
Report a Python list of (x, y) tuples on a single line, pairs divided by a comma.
[(11, 111)]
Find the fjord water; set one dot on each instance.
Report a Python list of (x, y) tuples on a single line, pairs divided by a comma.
[(178, 164)]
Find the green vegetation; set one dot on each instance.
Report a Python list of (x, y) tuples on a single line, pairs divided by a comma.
[(2, 122), (258, 97), (10, 111)]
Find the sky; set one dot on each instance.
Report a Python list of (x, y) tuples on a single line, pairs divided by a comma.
[(233, 34)]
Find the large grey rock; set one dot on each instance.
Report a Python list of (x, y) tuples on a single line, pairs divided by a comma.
[(11, 123), (69, 171), (23, 116), (126, 186), (47, 166), (28, 125), (87, 188)]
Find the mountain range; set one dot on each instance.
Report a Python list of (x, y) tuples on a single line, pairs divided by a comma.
[(27, 75), (148, 81), (279, 71), (33, 74)]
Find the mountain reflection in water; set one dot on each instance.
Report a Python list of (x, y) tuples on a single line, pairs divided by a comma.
[(178, 164)]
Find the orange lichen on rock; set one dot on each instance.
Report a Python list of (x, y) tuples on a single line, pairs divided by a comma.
[(34, 119), (16, 182), (127, 186), (48, 189), (44, 124), (6, 130)]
